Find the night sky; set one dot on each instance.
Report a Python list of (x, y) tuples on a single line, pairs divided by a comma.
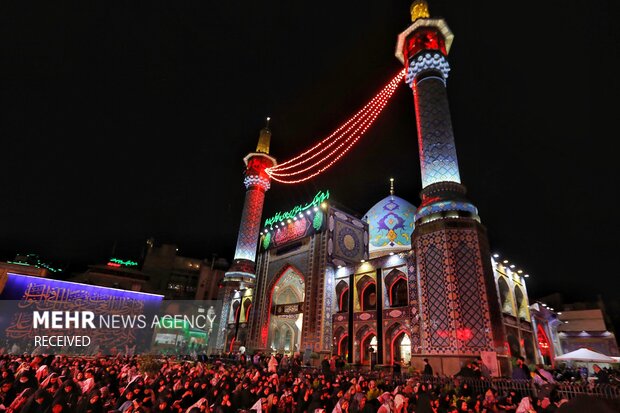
[(125, 121)]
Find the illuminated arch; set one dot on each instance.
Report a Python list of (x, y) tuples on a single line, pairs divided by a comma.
[(398, 293), (343, 345), (341, 337), (342, 292), (286, 269), (236, 311), (366, 286), (396, 285), (247, 304), (365, 344), (521, 303), (505, 296), (391, 335), (364, 334)]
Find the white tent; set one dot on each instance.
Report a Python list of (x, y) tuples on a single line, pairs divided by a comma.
[(583, 354)]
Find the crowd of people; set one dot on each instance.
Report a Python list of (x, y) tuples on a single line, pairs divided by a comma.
[(259, 383)]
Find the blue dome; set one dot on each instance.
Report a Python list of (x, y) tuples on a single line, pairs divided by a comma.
[(390, 225)]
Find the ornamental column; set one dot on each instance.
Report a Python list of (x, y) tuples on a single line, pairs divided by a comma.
[(458, 307), (239, 280)]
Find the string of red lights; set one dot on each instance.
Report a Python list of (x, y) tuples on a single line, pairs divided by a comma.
[(356, 119), (301, 168)]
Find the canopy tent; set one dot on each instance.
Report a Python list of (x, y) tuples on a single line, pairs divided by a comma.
[(583, 354)]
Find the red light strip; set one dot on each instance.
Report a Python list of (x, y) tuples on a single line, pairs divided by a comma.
[(346, 135), (347, 132), (333, 161), (355, 120), (360, 118)]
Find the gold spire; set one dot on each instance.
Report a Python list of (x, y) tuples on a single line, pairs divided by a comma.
[(392, 186), (264, 138), (419, 10)]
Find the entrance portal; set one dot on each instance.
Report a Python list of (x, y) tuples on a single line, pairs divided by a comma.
[(285, 323)]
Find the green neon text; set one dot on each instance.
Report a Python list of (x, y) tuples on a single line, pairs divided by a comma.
[(127, 263), (319, 198)]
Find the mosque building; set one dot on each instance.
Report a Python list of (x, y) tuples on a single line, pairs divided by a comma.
[(398, 285)]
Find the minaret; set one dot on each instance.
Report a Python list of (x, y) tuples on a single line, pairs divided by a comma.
[(256, 182), (459, 308), (239, 280)]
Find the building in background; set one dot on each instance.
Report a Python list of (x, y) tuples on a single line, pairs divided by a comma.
[(181, 278), (210, 278), (562, 328), (116, 273), (585, 326), (161, 271), (30, 264)]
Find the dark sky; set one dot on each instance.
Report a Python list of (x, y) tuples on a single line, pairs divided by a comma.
[(121, 121)]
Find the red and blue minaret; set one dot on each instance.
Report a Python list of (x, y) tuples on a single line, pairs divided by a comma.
[(238, 284), (459, 313), (257, 182)]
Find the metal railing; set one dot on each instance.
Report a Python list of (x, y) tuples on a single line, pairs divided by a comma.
[(566, 390)]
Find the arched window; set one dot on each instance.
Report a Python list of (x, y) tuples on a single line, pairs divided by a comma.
[(248, 306), (369, 297), (398, 293), (505, 298), (396, 288), (343, 301), (512, 336), (521, 303), (342, 295), (343, 346), (236, 312)]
